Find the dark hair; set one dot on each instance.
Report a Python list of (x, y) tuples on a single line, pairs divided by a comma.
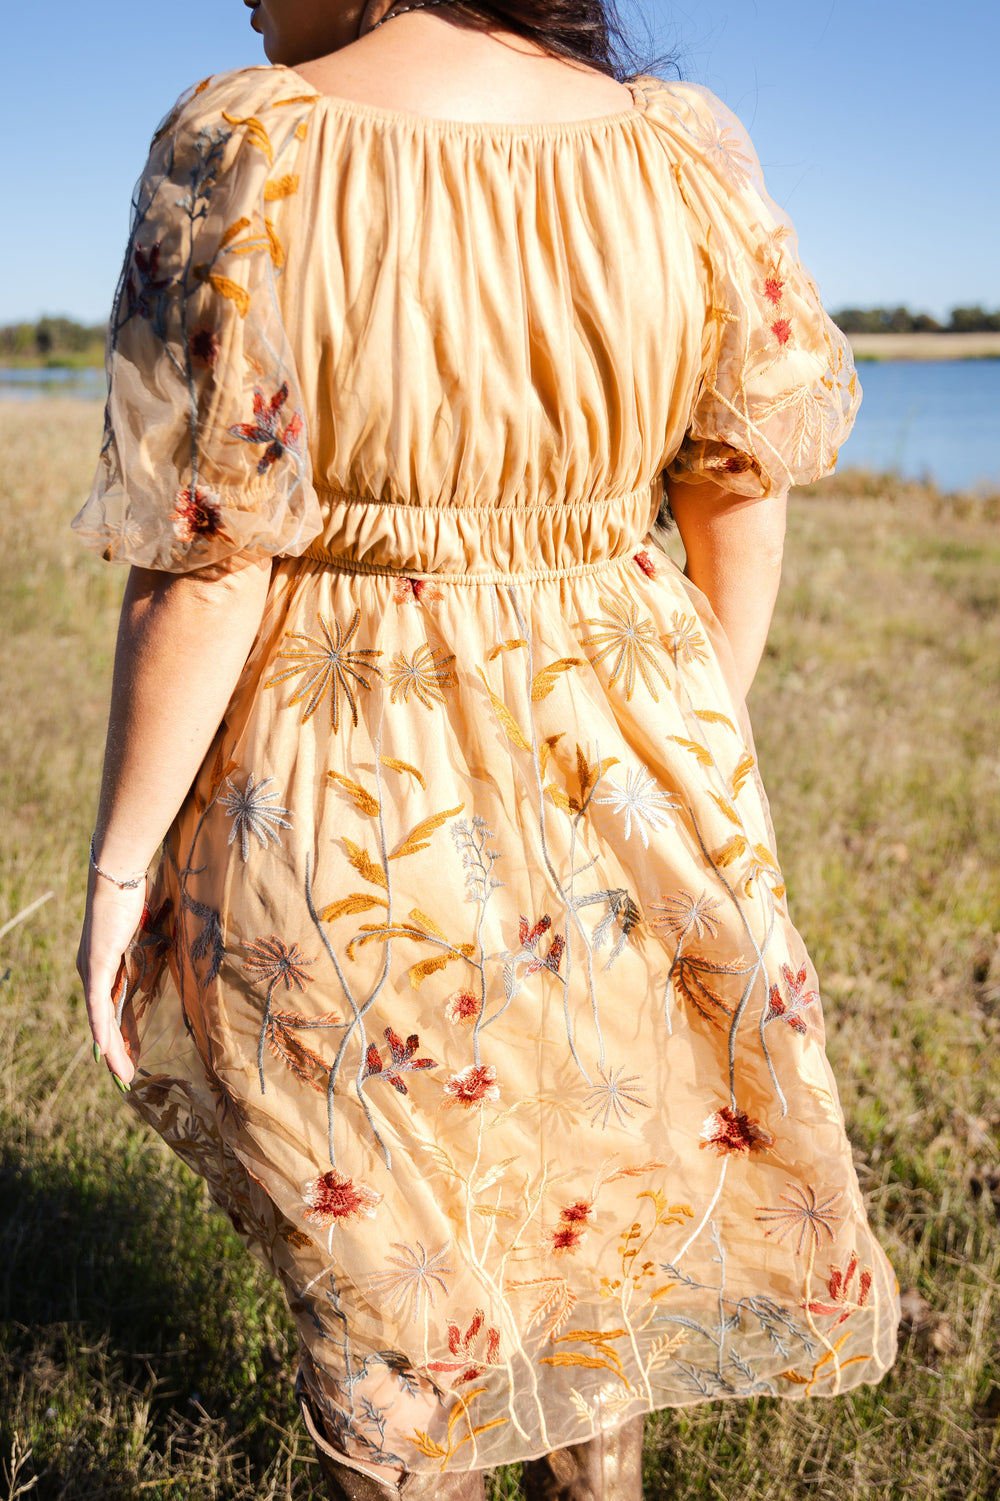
[(586, 31)]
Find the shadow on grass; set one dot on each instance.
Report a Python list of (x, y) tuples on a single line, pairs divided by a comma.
[(140, 1346)]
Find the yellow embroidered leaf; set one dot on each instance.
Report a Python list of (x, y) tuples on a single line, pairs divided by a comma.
[(365, 865), (591, 775), (419, 836), (506, 718), (294, 99), (704, 756), (736, 847), (547, 747), (794, 1377), (779, 890), (727, 808), (201, 87), (765, 857), (427, 1445), (661, 1292), (511, 645), (301, 130), (592, 1363), (489, 1213), (418, 972), (371, 931), (592, 1336), (234, 229), (281, 187), (395, 765), (256, 133), (358, 901), (712, 716), (274, 245), (744, 767), (543, 682), (363, 801), (561, 800), (636, 1171), (427, 923), (227, 288), (834, 1350)]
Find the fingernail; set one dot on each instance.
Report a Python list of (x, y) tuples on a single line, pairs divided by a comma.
[(121, 1084), (97, 1053)]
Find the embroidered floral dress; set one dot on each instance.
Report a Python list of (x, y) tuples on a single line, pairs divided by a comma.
[(468, 981)]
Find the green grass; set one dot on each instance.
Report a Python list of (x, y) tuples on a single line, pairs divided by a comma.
[(142, 1353)]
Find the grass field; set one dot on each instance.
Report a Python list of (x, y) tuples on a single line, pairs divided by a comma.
[(142, 1354)]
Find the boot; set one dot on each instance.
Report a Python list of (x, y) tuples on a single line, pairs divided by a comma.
[(607, 1467), (346, 1480)]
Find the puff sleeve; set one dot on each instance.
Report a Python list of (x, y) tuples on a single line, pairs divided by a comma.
[(778, 390), (205, 456)]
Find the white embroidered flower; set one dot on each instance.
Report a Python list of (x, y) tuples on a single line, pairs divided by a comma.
[(254, 811), (642, 800)]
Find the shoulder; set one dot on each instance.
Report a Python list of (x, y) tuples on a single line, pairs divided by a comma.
[(700, 126), (241, 97)]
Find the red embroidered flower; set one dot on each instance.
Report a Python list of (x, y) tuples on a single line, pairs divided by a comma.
[(334, 1199), (530, 936), (197, 514), (265, 429), (203, 347), (645, 562), (463, 1345), (774, 288), (566, 1238), (798, 999), (781, 328), (840, 1291), (462, 1007), (407, 590), (576, 1214), (402, 1060), (473, 1086), (730, 1130)]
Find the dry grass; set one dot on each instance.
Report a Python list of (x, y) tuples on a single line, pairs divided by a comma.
[(142, 1355)]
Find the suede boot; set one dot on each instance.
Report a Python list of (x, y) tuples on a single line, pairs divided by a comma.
[(607, 1467)]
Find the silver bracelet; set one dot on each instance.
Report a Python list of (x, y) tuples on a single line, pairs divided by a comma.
[(130, 885)]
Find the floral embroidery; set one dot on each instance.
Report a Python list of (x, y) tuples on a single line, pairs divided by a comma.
[(197, 514), (265, 428), (473, 1086), (615, 1093), (328, 666), (684, 914), (805, 1213), (632, 645), (254, 811), (401, 1062), (413, 1278), (203, 347), (799, 998), (642, 800), (645, 562), (334, 1199), (425, 674), (463, 1007), (733, 1131), (144, 288)]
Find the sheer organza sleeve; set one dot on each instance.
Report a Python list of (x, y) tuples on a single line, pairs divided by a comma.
[(778, 391), (205, 453)]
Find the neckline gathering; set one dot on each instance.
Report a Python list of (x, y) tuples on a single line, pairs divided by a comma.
[(340, 104)]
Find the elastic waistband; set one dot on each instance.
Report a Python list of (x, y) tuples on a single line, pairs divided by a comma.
[(482, 544)]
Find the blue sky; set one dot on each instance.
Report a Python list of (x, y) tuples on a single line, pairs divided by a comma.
[(875, 120)]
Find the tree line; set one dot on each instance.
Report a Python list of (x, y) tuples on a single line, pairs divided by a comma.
[(899, 320), (52, 339)]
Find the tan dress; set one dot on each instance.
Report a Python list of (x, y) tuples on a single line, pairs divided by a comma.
[(468, 981)]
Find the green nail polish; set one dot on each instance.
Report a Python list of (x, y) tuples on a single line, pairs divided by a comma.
[(121, 1084), (97, 1053)]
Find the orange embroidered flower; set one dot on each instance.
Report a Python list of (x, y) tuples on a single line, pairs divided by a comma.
[(774, 288), (576, 1214), (334, 1199), (645, 562), (731, 1130), (566, 1238), (473, 1086)]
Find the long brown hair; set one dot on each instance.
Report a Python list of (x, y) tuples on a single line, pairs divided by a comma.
[(586, 31)]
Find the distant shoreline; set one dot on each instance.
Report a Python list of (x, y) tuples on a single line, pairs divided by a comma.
[(984, 346)]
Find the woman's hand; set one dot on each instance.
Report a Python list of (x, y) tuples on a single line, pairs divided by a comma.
[(108, 928)]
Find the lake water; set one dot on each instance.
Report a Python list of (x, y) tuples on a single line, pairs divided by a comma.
[(938, 419)]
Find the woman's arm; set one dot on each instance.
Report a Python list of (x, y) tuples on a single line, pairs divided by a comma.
[(182, 644), (733, 548)]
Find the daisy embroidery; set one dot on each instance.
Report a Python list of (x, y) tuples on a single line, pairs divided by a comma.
[(254, 811), (642, 800)]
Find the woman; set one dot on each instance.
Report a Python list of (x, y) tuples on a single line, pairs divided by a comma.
[(466, 978)]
